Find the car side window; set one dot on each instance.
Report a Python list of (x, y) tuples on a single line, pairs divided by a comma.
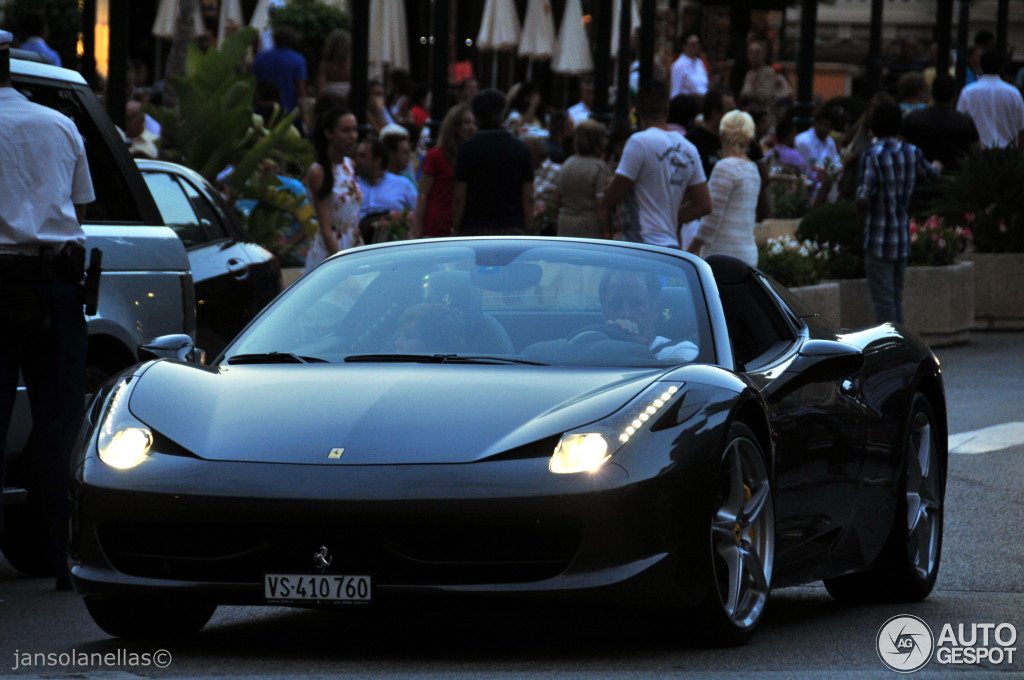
[(209, 221), (175, 207), (114, 200)]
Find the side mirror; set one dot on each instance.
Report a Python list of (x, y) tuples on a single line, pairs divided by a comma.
[(178, 346), (818, 361)]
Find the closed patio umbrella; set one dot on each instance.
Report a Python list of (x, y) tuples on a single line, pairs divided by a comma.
[(230, 11), (538, 41), (634, 23), (499, 30), (573, 54), (167, 19), (389, 44)]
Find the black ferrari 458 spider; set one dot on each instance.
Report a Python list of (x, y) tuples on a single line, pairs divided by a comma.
[(532, 417)]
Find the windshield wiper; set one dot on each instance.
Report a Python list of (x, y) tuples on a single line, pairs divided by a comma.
[(439, 359), (274, 358)]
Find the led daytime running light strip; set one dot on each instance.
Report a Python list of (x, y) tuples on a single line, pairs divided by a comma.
[(647, 413)]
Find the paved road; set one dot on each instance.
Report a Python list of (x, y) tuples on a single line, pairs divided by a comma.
[(807, 635)]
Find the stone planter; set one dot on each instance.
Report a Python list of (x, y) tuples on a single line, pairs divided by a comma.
[(290, 274), (824, 298), (938, 303), (773, 228), (998, 290)]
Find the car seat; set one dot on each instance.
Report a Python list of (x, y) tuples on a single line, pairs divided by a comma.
[(677, 318), (484, 335)]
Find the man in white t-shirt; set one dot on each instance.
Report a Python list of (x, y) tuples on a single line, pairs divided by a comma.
[(995, 106), (663, 171), (689, 74)]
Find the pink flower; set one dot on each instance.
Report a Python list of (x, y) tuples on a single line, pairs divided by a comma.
[(933, 222), (969, 217), (942, 243), (968, 234), (913, 226)]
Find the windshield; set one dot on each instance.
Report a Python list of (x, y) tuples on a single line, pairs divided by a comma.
[(516, 302)]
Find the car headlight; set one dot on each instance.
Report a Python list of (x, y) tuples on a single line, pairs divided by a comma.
[(588, 450), (123, 440)]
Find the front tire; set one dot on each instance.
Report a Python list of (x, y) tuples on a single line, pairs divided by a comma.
[(742, 537), (909, 564), (148, 618)]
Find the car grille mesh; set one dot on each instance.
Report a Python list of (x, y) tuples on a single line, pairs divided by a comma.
[(394, 554)]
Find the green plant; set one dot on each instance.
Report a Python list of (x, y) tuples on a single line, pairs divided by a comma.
[(313, 21), (213, 127), (986, 196), (63, 18), (787, 201), (837, 223), (935, 243), (794, 263), (545, 217)]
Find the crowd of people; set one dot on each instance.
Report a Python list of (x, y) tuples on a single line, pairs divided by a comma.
[(690, 169)]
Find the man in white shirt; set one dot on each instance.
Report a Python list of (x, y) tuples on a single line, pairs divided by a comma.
[(382, 191), (581, 110), (45, 186), (663, 171), (819, 150), (689, 75), (995, 106)]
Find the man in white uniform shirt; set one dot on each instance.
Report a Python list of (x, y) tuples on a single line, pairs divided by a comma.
[(689, 75), (995, 106), (664, 172), (44, 188)]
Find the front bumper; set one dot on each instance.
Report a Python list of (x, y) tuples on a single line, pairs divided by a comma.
[(628, 534)]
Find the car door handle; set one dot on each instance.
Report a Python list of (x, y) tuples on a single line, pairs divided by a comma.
[(848, 388), (240, 268)]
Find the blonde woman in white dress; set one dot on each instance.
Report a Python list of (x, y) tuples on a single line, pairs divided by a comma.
[(332, 186), (734, 185)]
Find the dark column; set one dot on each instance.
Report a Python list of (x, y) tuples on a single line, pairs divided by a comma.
[(117, 75), (875, 47), (739, 27), (622, 66), (360, 57), (961, 42), (439, 88), (943, 31), (805, 64), (602, 74), (1002, 25), (89, 42), (648, 16)]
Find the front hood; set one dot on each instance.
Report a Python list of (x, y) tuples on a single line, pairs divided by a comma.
[(378, 413)]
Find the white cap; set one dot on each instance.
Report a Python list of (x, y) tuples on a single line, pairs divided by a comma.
[(5, 40)]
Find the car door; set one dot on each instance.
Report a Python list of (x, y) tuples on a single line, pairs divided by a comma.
[(818, 427), (221, 268)]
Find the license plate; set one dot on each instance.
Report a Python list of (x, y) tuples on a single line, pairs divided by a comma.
[(316, 588)]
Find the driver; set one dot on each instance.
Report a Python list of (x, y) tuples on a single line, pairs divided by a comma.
[(630, 305)]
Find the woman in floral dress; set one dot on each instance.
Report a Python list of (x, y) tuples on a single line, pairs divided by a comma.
[(332, 184)]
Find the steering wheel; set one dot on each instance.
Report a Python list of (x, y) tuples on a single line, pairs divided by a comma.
[(598, 332)]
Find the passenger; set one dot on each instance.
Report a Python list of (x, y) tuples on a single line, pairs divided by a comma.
[(630, 302), (430, 328)]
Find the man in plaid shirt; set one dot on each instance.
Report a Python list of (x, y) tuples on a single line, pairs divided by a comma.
[(889, 171)]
